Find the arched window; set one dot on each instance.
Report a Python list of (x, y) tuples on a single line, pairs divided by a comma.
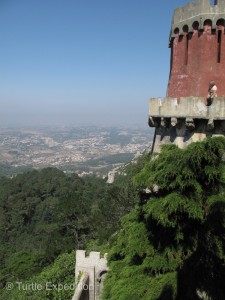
[(185, 29), (208, 26), (176, 30), (195, 25), (220, 23)]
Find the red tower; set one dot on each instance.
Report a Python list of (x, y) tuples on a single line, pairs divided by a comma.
[(197, 43)]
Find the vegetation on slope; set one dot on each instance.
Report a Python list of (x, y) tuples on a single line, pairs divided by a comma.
[(47, 214), (172, 245), (55, 281)]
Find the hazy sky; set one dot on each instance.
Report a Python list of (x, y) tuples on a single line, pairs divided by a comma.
[(89, 61)]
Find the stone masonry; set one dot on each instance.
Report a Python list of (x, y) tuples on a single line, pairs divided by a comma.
[(185, 120), (89, 273)]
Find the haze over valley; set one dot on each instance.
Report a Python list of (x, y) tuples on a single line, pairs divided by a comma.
[(84, 149)]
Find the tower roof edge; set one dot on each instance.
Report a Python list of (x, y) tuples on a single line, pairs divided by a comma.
[(197, 11)]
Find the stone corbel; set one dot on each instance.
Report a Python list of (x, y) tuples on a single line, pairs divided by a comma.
[(189, 123), (222, 125), (153, 122), (164, 122), (174, 122), (210, 125)]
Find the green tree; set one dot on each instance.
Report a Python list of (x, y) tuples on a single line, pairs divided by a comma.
[(172, 245), (55, 282), (46, 213)]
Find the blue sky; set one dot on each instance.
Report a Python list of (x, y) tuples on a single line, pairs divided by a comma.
[(82, 61)]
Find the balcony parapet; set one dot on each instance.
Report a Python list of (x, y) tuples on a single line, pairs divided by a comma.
[(164, 112)]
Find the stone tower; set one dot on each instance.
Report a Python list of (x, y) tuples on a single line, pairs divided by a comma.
[(90, 272), (197, 43)]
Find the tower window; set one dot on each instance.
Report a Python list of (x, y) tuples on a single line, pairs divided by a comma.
[(186, 50), (176, 31), (195, 25), (185, 30), (219, 45)]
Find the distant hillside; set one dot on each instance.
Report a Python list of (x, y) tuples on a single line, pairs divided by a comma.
[(8, 170), (87, 149)]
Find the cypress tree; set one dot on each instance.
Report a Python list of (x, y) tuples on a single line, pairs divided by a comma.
[(172, 245)]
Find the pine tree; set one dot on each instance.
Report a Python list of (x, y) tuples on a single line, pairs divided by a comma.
[(172, 245)]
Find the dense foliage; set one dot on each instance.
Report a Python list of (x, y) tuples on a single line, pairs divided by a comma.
[(46, 214), (172, 245), (54, 282)]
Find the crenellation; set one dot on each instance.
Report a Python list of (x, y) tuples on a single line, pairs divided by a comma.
[(185, 121), (198, 11), (95, 255), (193, 107), (80, 255), (93, 268)]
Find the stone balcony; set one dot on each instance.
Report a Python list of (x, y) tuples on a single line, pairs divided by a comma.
[(182, 121), (165, 112)]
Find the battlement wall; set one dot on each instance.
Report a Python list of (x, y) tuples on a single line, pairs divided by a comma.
[(187, 107), (90, 271), (92, 261), (181, 121), (198, 11)]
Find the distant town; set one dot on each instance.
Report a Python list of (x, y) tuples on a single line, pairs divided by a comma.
[(84, 150)]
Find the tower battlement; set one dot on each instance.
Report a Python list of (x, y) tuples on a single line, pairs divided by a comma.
[(91, 260), (90, 271), (198, 11)]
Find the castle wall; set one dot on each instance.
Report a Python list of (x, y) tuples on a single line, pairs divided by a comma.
[(189, 107), (89, 273)]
